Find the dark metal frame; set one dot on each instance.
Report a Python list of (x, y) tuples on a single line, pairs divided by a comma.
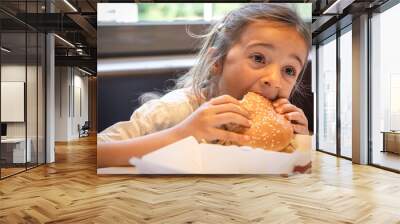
[(316, 97), (338, 73), (26, 89), (369, 78)]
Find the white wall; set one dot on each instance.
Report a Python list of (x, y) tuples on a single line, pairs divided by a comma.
[(82, 82), (13, 73), (70, 83), (61, 103)]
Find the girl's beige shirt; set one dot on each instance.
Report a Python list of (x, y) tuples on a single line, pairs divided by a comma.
[(154, 115)]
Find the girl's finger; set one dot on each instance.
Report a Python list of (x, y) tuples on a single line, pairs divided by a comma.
[(230, 107), (300, 129), (224, 99), (230, 117), (279, 102), (230, 136), (297, 116), (286, 108)]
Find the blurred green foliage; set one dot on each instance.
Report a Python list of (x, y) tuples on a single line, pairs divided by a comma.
[(167, 12), (170, 12), (221, 9)]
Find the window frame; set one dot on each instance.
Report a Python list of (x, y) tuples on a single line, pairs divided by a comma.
[(333, 37)]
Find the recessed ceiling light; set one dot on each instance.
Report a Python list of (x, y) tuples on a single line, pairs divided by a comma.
[(70, 5), (64, 40), (337, 7), (86, 72), (5, 50)]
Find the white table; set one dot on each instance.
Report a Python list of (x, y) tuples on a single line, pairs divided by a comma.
[(18, 149)]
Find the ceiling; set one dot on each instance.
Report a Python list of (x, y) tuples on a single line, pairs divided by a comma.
[(332, 15), (76, 22)]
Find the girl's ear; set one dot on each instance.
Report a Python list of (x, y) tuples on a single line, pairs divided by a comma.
[(216, 68)]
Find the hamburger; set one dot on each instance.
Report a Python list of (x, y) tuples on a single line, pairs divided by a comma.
[(269, 130)]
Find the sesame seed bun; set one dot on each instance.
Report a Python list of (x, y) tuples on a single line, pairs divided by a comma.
[(269, 130)]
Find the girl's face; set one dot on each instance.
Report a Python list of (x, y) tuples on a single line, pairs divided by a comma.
[(267, 59)]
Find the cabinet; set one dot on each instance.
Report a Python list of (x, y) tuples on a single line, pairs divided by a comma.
[(391, 141)]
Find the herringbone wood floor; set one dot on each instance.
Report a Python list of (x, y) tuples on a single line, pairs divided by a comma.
[(69, 191)]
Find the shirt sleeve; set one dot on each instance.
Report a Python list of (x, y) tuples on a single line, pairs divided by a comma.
[(154, 115)]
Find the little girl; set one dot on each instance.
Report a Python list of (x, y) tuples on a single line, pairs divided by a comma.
[(261, 48)]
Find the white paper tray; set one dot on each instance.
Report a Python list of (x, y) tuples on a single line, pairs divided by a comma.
[(187, 156)]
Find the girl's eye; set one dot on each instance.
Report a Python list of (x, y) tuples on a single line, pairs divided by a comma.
[(258, 58), (290, 71)]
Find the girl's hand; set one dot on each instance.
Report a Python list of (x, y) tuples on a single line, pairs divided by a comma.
[(205, 122), (294, 114)]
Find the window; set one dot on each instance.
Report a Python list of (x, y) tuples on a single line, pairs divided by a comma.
[(346, 94), (385, 89), (327, 96), (116, 13)]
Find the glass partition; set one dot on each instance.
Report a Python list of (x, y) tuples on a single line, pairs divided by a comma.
[(13, 95), (22, 91)]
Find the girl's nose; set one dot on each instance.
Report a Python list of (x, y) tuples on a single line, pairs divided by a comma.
[(272, 79)]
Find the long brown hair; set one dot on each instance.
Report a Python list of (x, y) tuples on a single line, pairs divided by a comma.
[(223, 35)]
